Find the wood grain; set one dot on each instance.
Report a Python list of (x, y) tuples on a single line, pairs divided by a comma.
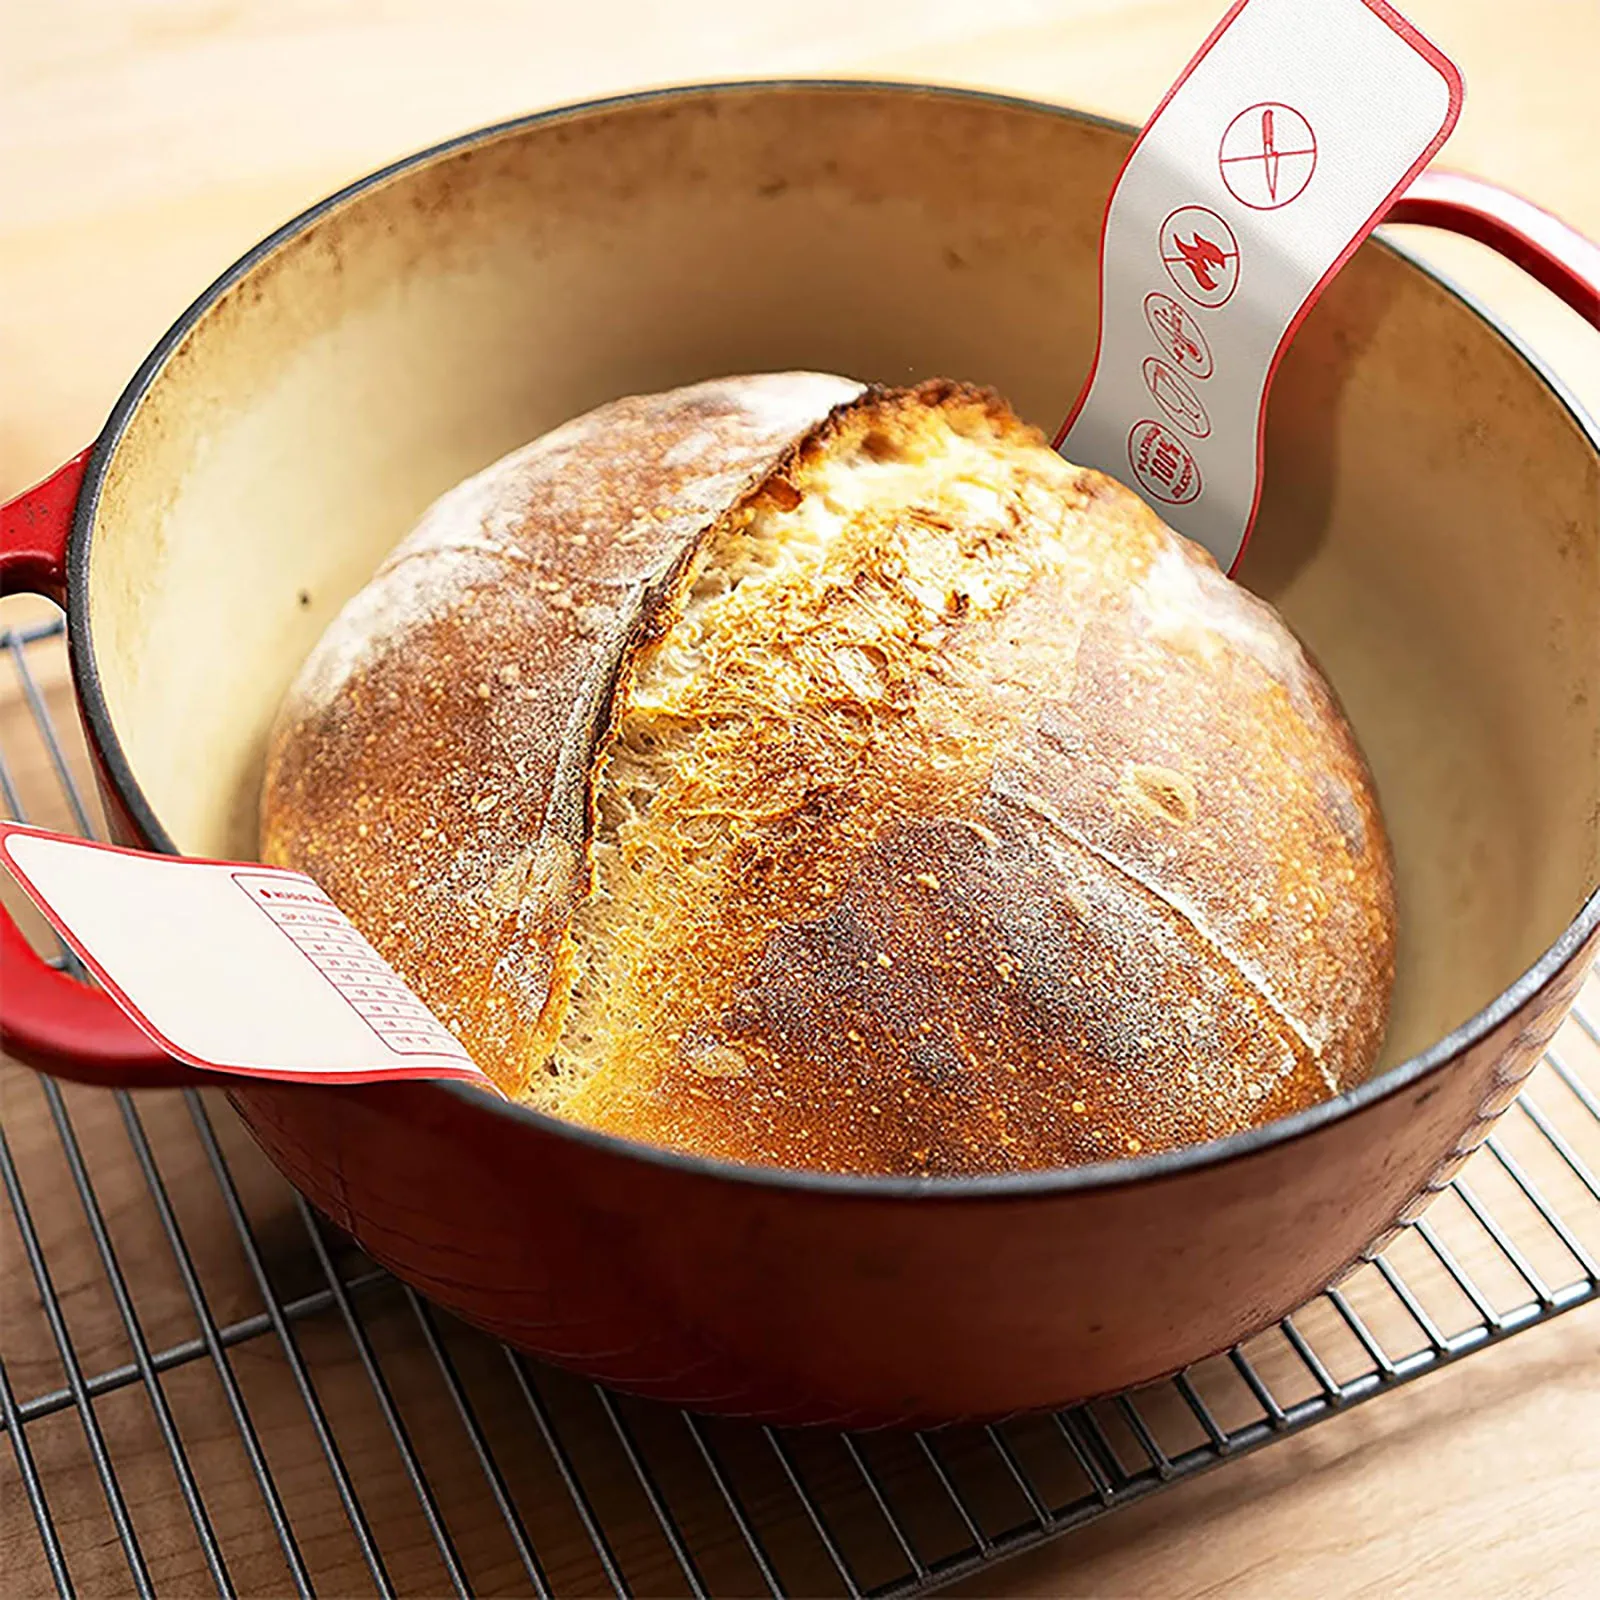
[(146, 143)]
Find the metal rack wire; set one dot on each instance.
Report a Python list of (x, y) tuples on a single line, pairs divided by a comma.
[(180, 1323)]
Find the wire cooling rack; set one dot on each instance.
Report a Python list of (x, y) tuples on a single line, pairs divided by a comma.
[(204, 1385)]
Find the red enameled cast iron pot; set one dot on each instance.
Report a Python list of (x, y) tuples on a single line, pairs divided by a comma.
[(1431, 528)]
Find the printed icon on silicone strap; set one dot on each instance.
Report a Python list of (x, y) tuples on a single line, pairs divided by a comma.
[(1267, 156), (1175, 397), (1178, 334), (1162, 463), (1201, 255)]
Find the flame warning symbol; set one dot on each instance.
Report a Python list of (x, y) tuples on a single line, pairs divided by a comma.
[(1201, 255)]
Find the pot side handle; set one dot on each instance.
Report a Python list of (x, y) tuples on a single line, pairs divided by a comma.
[(47, 1019), (1544, 247)]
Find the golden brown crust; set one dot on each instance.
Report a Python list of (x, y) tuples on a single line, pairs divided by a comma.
[(1065, 856), (429, 765)]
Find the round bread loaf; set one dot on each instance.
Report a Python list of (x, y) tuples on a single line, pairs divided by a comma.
[(815, 775)]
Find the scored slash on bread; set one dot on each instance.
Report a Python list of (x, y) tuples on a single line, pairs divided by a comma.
[(818, 775)]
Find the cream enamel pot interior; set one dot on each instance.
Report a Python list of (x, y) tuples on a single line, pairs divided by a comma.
[(1431, 528)]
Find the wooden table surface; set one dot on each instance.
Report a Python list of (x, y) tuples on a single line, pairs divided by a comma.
[(146, 143)]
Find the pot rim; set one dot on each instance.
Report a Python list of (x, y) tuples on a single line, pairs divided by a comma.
[(1044, 1181)]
